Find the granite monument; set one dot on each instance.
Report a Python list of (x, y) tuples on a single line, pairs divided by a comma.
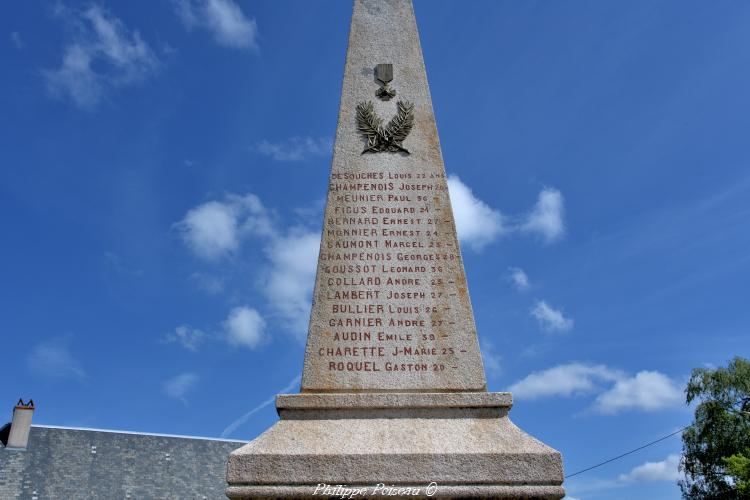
[(394, 398)]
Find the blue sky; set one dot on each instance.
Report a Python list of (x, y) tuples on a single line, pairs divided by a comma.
[(164, 166)]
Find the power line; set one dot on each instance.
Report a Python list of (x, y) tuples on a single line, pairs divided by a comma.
[(627, 453)]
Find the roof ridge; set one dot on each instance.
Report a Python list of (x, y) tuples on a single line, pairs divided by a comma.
[(91, 429)]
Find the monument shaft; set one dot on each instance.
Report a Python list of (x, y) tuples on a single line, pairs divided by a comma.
[(391, 310)]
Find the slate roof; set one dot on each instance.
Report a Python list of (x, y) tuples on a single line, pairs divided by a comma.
[(70, 463)]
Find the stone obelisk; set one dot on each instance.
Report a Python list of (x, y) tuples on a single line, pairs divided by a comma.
[(393, 387)]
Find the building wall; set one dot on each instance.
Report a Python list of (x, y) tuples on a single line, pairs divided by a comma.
[(85, 464)]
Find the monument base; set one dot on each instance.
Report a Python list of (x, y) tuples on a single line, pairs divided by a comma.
[(462, 443)]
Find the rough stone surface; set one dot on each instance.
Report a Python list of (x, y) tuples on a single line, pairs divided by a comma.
[(497, 491), (400, 450), (395, 405), (390, 273), (393, 387), (466, 452), (81, 464), (464, 442), (395, 400)]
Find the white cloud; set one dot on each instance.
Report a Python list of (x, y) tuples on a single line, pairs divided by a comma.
[(213, 230), (210, 230), (290, 280), (564, 380), (312, 213), (76, 79), (18, 42), (229, 430), (245, 327), (167, 49), (476, 223), (492, 360), (178, 386), (52, 359), (666, 470), (102, 54), (546, 219), (223, 18), (217, 228), (188, 337), (551, 319), (519, 278), (116, 263), (616, 391), (296, 148), (647, 390), (212, 285)]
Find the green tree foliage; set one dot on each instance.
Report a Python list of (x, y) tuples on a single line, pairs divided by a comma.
[(721, 430), (738, 467)]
